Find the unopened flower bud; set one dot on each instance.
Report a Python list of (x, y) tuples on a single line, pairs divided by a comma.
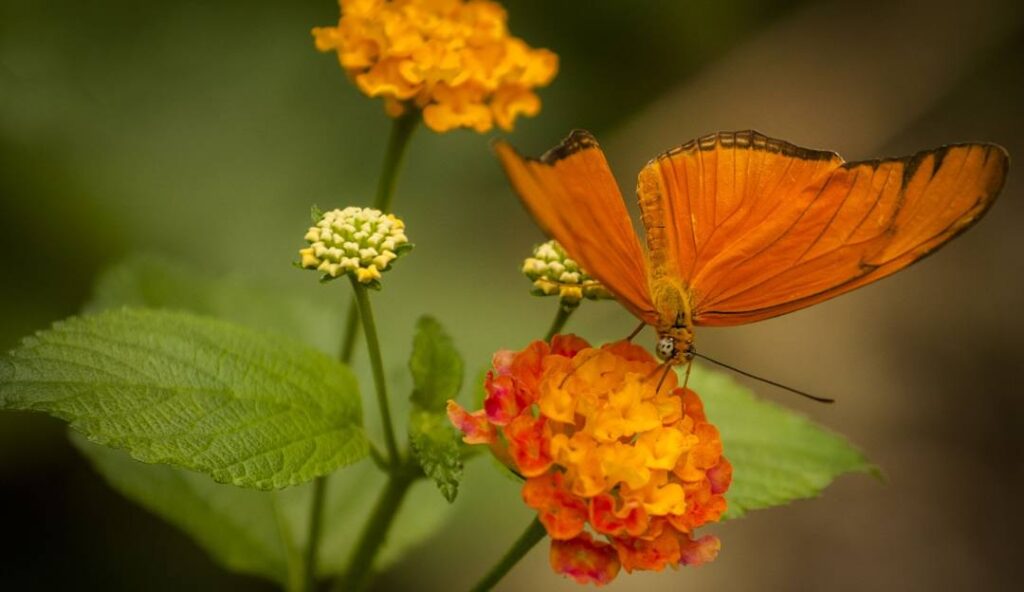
[(359, 242), (553, 272)]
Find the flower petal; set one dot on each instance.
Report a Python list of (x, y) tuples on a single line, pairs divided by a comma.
[(562, 514), (584, 560), (474, 426), (529, 444)]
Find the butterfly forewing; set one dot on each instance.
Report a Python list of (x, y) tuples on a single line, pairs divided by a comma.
[(756, 227), (572, 194)]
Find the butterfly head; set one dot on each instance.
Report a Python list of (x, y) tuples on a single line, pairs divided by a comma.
[(675, 346)]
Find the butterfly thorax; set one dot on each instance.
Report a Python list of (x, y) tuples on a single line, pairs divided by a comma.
[(675, 321)]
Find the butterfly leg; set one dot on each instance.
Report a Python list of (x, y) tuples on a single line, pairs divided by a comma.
[(663, 368), (664, 375), (636, 331), (653, 373)]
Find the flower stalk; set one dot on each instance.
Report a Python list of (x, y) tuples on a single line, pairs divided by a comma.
[(401, 475), (348, 340), (359, 570), (564, 312), (377, 366), (320, 484), (293, 556), (402, 130), (315, 528), (533, 534)]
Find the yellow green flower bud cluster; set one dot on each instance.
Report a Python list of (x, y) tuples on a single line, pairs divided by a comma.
[(553, 272), (360, 242)]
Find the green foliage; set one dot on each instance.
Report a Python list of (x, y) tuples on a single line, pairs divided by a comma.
[(436, 446), (351, 497), (264, 533), (435, 365), (777, 455), (261, 533), (241, 406), (236, 526), (437, 370)]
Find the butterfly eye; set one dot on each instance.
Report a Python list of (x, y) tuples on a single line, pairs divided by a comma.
[(666, 348)]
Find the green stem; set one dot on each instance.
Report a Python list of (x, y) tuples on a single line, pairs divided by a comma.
[(293, 558), (348, 342), (320, 484), (401, 132), (560, 319), (402, 129), (313, 540), (360, 564), (526, 541), (377, 365)]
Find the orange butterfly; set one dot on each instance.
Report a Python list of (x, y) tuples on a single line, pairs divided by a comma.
[(741, 227)]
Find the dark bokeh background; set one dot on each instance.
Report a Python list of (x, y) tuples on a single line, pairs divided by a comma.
[(204, 130)]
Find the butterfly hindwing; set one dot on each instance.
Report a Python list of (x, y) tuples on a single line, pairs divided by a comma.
[(572, 194), (756, 227)]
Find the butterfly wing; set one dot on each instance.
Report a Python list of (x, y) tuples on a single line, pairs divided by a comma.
[(757, 227), (572, 194)]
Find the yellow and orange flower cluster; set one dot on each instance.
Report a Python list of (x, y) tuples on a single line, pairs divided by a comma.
[(453, 59), (619, 471)]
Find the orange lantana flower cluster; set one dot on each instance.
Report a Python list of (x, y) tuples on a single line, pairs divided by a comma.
[(619, 471), (453, 59)]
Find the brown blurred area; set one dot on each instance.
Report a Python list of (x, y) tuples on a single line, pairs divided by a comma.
[(185, 128)]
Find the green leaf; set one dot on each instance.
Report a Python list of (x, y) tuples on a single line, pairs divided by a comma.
[(436, 446), (437, 377), (241, 406), (778, 456), (435, 365), (150, 281), (264, 533), (236, 526)]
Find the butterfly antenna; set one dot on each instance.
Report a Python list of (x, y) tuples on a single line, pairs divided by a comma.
[(765, 380), (629, 338)]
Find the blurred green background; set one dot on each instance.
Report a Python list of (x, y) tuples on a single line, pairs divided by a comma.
[(203, 131)]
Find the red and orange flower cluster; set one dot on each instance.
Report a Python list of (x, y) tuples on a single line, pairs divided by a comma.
[(620, 472)]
